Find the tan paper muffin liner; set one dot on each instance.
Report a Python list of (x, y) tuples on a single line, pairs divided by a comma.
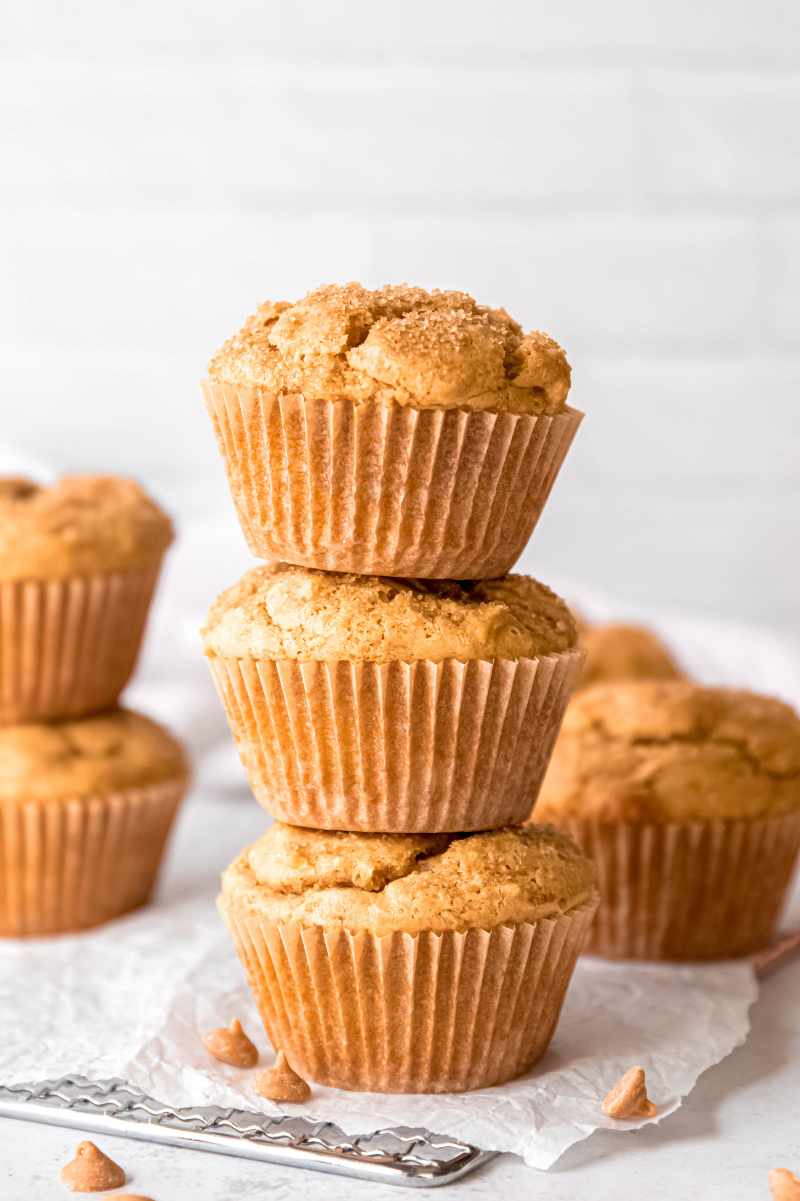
[(409, 1013), (68, 647), (381, 489), (396, 747), (691, 890), (69, 864)]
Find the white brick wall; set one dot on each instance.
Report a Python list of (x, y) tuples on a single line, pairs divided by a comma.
[(623, 174)]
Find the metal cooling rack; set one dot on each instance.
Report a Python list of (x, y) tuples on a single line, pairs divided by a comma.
[(402, 1155)]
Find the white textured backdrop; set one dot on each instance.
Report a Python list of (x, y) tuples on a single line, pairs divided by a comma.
[(624, 174)]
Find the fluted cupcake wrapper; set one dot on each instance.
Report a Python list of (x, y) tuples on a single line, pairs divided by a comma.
[(409, 1013), (396, 747), (69, 864), (69, 646), (689, 890), (381, 489)]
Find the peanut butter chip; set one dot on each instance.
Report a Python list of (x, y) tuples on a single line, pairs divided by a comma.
[(282, 1083), (231, 1045), (131, 1197), (628, 1098), (784, 1185), (91, 1171)]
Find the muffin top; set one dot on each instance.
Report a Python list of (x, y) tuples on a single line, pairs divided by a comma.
[(388, 882), (79, 525), (624, 652), (283, 612), (398, 344), (672, 751), (52, 761)]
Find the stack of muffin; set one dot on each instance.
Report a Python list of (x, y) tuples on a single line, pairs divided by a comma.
[(393, 693), (88, 791)]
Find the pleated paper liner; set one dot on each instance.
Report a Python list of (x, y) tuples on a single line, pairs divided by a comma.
[(69, 646), (409, 1013), (688, 891), (66, 865), (381, 489), (396, 747)]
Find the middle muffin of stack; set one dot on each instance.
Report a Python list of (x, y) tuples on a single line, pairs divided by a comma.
[(386, 719)]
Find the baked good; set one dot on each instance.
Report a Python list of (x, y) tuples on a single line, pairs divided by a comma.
[(688, 798), (85, 810), (365, 703), (397, 431), (616, 651), (409, 963), (79, 561)]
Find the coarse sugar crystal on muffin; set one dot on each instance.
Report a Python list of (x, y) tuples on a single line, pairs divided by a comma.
[(688, 799), (79, 562), (86, 807), (376, 704), (390, 432), (463, 945)]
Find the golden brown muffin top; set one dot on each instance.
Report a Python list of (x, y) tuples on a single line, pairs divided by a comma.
[(79, 525), (396, 344), (388, 882), (624, 652), (60, 760), (672, 751), (282, 612)]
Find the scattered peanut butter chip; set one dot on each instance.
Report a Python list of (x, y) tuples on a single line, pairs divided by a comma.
[(784, 1185), (131, 1197), (628, 1098), (91, 1171), (231, 1045), (282, 1083)]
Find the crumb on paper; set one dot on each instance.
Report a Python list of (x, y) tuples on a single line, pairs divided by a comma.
[(230, 1044), (91, 1171), (628, 1098), (282, 1083)]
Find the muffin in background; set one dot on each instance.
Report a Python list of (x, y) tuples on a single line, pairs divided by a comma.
[(366, 703), (79, 561), (616, 651), (85, 810), (393, 432), (409, 963), (688, 800)]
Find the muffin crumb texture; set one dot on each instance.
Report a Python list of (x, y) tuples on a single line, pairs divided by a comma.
[(59, 760), (624, 652), (672, 751), (390, 882), (79, 525), (282, 612), (397, 344)]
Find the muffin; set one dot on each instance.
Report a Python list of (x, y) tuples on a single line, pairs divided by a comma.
[(79, 561), (624, 652), (688, 800), (366, 703), (85, 810), (403, 963), (394, 432)]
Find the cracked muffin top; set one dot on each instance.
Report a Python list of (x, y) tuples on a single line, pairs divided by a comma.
[(396, 344), (388, 882), (672, 751), (79, 525), (52, 761), (283, 612), (624, 652)]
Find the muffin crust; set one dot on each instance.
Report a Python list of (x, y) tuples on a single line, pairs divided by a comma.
[(397, 344), (672, 751), (401, 882), (79, 525), (284, 612), (60, 760), (625, 652)]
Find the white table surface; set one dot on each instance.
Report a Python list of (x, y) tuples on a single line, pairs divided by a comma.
[(742, 1119)]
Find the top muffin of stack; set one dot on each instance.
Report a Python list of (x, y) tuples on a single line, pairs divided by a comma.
[(372, 435)]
